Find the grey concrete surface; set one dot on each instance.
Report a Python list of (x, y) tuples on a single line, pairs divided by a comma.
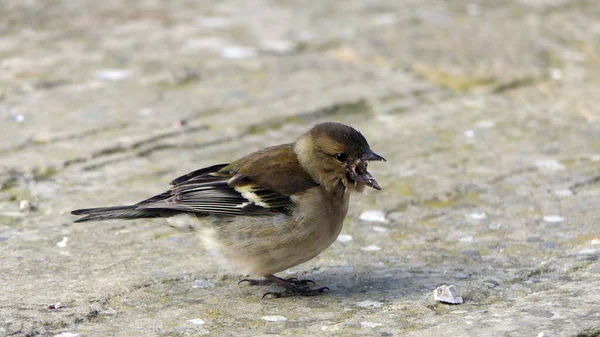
[(487, 112)]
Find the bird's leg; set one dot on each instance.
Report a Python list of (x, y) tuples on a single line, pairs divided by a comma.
[(293, 287)]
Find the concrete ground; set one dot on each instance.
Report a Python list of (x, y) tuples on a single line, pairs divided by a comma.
[(487, 112)]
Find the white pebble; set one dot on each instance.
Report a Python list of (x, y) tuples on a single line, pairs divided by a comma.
[(236, 52), (274, 318), (596, 241), (549, 165), (553, 218), (466, 239), (380, 229), (369, 303), (477, 216), (447, 294), (344, 238), (63, 242), (469, 133), (25, 205), (563, 193), (113, 74), (373, 216), (370, 324), (197, 321), (371, 248), (67, 334), (19, 118)]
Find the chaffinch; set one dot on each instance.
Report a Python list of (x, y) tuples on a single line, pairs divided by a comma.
[(270, 210)]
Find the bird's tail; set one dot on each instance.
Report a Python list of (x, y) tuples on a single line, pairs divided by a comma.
[(118, 212)]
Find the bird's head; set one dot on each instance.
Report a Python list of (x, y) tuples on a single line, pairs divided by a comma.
[(332, 153)]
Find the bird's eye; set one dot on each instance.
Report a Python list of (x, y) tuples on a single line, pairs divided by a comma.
[(341, 156)]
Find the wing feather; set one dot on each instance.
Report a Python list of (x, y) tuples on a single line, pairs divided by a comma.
[(212, 191)]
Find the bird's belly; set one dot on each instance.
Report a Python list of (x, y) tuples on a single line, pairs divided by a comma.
[(266, 245)]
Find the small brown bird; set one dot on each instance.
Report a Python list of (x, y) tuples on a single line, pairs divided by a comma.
[(270, 210)]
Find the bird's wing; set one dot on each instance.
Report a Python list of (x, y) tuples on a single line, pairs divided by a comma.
[(219, 190)]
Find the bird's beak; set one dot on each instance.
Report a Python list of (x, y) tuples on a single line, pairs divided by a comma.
[(371, 156), (358, 170)]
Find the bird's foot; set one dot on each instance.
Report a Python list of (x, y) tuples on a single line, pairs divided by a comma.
[(294, 290), (293, 286)]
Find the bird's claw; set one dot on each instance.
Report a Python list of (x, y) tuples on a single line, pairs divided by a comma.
[(293, 290), (253, 282)]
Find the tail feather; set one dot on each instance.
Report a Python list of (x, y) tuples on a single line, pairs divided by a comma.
[(118, 212)]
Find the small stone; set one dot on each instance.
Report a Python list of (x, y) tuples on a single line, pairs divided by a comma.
[(25, 205), (495, 225), (466, 239), (370, 324), (54, 306), (373, 216), (563, 193), (369, 303), (67, 334), (238, 52), (553, 218), (549, 165), (596, 241), (371, 248), (113, 74), (63, 242), (477, 215), (469, 133), (380, 229), (19, 118), (197, 321), (446, 294), (274, 318), (344, 238)]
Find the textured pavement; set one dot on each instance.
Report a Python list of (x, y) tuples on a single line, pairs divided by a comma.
[(486, 111)]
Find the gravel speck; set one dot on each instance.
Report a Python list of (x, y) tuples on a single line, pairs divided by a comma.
[(373, 216), (274, 318), (369, 303)]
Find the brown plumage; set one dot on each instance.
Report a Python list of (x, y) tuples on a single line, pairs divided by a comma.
[(270, 210)]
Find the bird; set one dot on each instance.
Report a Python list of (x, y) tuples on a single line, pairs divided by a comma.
[(270, 210)]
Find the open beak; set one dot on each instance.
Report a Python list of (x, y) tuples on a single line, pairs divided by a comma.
[(358, 169)]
